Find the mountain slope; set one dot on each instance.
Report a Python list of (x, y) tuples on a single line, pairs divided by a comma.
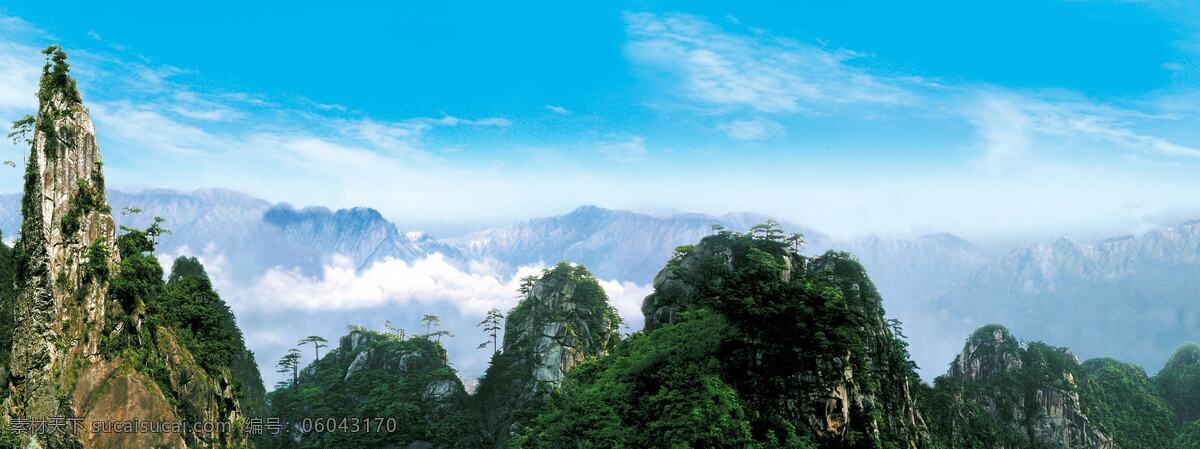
[(562, 321), (1000, 393), (747, 344)]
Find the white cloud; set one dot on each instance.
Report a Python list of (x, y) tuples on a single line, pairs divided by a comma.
[(473, 287), (557, 109), (627, 298), (192, 105), (713, 67), (148, 127), (474, 290), (20, 67), (176, 135), (748, 130), (1013, 127)]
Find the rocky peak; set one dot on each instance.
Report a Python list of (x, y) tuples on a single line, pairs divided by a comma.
[(361, 234), (68, 248), (791, 312), (1032, 392), (990, 351), (712, 260), (562, 320), (71, 340)]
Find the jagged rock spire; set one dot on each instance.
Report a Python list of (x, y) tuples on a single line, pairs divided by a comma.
[(67, 249)]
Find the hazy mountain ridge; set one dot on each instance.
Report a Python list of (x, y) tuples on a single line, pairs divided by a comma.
[(360, 233), (902, 266), (1042, 267), (1130, 298), (613, 244)]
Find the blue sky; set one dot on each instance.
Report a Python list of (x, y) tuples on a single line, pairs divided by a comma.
[(1055, 117)]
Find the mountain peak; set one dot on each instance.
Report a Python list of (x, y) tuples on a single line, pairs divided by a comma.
[(589, 210), (285, 214), (68, 243), (991, 350)]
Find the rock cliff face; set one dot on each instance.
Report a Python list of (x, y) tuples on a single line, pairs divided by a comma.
[(67, 249), (65, 359), (1031, 395), (563, 320), (815, 346)]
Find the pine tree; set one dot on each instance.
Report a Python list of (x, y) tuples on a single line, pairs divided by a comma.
[(317, 342), (430, 322), (390, 329), (492, 325), (795, 241), (290, 362)]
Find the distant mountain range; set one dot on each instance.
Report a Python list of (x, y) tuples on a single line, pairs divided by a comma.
[(1133, 298), (613, 244)]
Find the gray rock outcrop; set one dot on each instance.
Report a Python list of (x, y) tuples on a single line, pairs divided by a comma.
[(563, 320)]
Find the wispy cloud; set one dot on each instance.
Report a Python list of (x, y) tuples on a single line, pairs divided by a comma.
[(20, 67), (1012, 127), (716, 68), (557, 109), (160, 126)]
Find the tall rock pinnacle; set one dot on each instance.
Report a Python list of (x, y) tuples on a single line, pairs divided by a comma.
[(66, 252)]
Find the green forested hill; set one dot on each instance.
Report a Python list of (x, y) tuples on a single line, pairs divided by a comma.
[(407, 381), (1179, 382), (1002, 392), (748, 344), (1123, 401)]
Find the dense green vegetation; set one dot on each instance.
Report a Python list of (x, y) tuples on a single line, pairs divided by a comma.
[(1189, 438), (56, 80), (1179, 383), (205, 326), (201, 320), (958, 423), (664, 388), (1122, 401), (371, 374), (187, 308)]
